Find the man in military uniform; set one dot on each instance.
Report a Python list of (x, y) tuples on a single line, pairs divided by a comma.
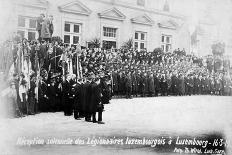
[(128, 85), (143, 84), (157, 84), (151, 85), (207, 85), (134, 83), (190, 84), (174, 84), (115, 77), (212, 86), (163, 85)]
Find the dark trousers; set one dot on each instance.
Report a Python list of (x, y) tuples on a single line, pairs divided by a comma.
[(99, 116), (68, 107), (87, 116), (76, 114)]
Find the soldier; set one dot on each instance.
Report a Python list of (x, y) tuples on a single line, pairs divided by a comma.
[(128, 85), (169, 82), (157, 84), (163, 85), (134, 81), (143, 84), (182, 85), (195, 85), (203, 85), (200, 87), (212, 86), (227, 84), (121, 83), (174, 84), (190, 83), (207, 85), (115, 77), (151, 85)]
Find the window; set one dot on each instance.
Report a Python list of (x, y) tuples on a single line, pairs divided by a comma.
[(72, 33), (109, 37), (140, 40), (166, 43), (136, 35), (109, 32), (75, 39), (142, 36), (67, 27), (76, 29), (67, 39), (27, 27)]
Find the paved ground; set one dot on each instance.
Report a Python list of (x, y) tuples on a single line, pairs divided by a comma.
[(150, 118)]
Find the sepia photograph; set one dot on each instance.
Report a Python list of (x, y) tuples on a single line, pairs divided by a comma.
[(127, 77)]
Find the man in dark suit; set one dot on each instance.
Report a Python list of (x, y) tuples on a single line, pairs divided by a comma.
[(86, 99), (39, 21), (77, 100), (95, 104), (66, 95), (52, 95)]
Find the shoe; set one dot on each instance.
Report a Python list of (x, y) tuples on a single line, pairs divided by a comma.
[(100, 122), (77, 119), (95, 122)]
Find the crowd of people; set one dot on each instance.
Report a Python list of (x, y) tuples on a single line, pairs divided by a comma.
[(156, 73), (47, 75)]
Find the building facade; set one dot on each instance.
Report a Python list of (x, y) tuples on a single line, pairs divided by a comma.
[(114, 22)]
